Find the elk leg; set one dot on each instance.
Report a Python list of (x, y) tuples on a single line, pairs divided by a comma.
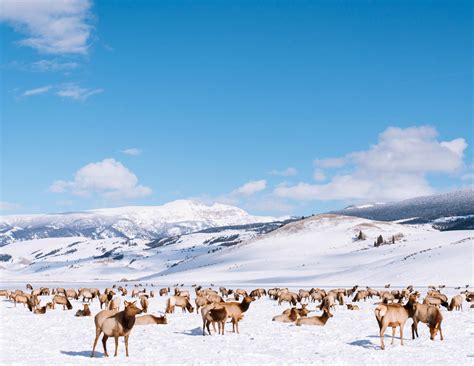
[(97, 335), (382, 334), (116, 346), (401, 333), (440, 332), (126, 345), (223, 326), (104, 344), (394, 329), (208, 328)]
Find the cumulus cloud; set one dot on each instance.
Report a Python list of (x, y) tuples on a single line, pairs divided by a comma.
[(250, 188), (132, 151), (37, 91), (108, 178), (9, 206), (50, 26), (288, 172), (395, 168)]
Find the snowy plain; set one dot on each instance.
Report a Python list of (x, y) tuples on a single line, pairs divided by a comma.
[(349, 337)]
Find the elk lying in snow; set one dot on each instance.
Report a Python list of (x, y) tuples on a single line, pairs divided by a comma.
[(236, 310), (117, 325), (182, 302), (150, 319), (41, 310), (352, 307), (215, 314), (303, 311), (315, 320), (393, 315), (429, 315), (290, 317), (456, 303), (85, 312), (62, 300), (144, 303)]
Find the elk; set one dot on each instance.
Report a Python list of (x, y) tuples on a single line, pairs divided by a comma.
[(29, 287), (104, 299), (316, 320), (290, 317), (62, 300), (85, 312), (236, 310), (41, 310), (200, 302), (144, 303), (429, 315), (303, 311), (164, 291), (360, 295), (182, 302), (352, 307), (288, 296), (393, 315), (216, 314), (5, 293), (114, 304), (71, 293), (22, 299), (85, 294), (456, 303), (150, 319), (430, 300), (117, 325)]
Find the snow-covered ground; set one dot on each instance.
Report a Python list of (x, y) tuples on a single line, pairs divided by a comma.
[(349, 337)]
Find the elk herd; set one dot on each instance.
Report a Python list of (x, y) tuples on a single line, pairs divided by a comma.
[(393, 308)]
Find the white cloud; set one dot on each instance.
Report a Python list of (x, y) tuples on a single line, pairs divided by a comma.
[(288, 172), (319, 175), (50, 26), (9, 206), (52, 66), (132, 151), (37, 91), (250, 188), (74, 91), (108, 178), (330, 162), (394, 168)]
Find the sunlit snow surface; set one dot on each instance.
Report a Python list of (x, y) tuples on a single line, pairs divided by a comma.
[(350, 337)]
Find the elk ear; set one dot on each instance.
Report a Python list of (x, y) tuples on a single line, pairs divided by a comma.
[(133, 303), (126, 303)]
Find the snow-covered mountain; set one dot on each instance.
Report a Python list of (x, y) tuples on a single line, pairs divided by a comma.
[(141, 222), (449, 211)]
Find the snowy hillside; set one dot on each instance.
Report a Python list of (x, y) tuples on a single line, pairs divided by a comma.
[(145, 222), (449, 211), (322, 250), (73, 258)]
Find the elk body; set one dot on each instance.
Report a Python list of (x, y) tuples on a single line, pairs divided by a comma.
[(84, 312), (429, 315), (316, 320), (236, 310), (116, 325), (150, 319)]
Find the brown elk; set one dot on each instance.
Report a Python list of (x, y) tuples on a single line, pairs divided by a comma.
[(144, 303), (118, 325), (316, 320), (302, 312), (164, 291), (41, 310), (104, 299), (201, 301), (236, 310), (62, 300), (393, 315), (114, 304), (71, 293), (352, 307), (150, 319), (435, 301), (290, 317), (430, 315), (85, 312), (179, 301), (216, 314), (456, 303)]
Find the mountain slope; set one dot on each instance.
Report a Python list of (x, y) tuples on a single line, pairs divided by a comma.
[(146, 222), (322, 250), (454, 210)]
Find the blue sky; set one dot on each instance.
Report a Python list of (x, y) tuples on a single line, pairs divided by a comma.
[(277, 107)]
